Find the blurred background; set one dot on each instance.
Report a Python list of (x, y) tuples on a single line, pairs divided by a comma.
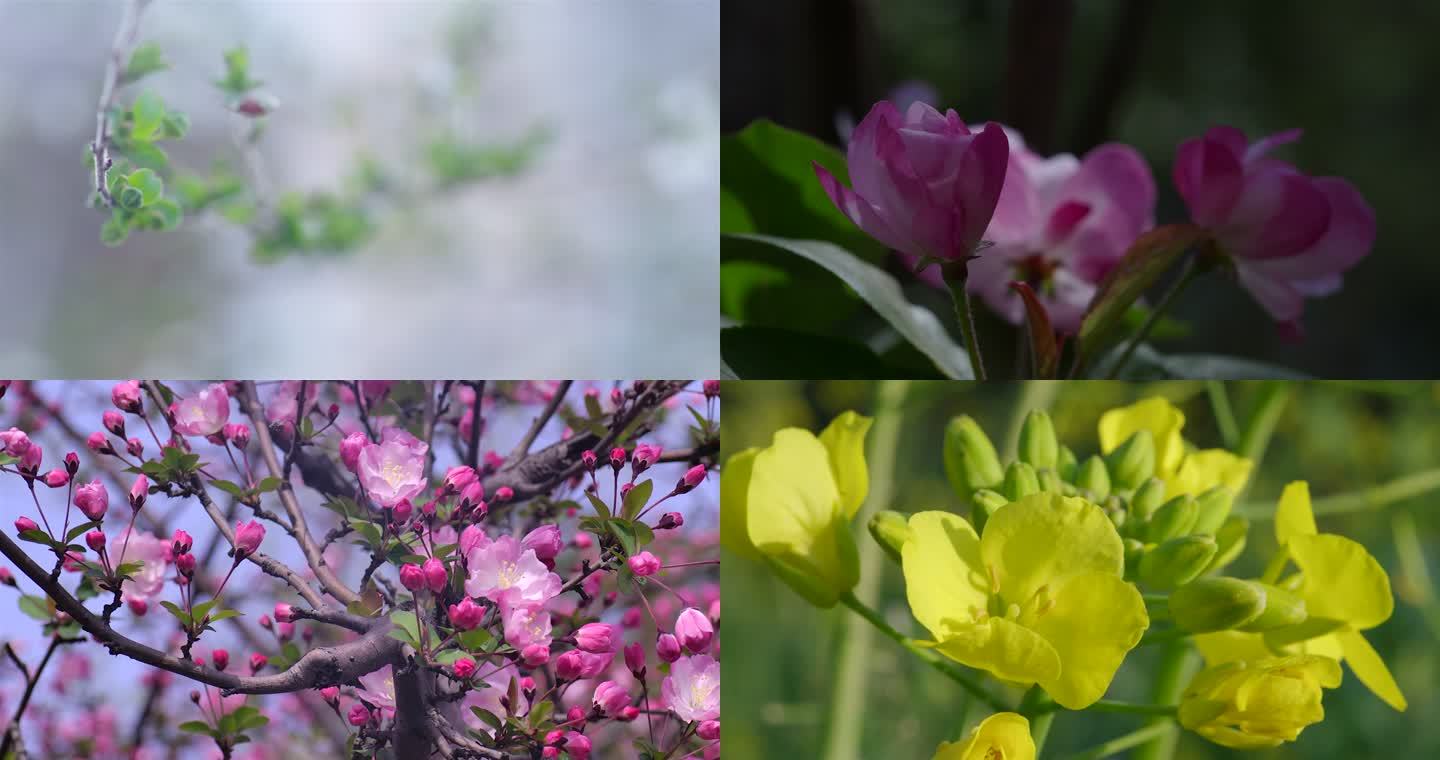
[(613, 220), (1341, 437), (1071, 75)]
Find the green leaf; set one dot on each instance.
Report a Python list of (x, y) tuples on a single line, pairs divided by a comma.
[(180, 614), (268, 484), (197, 727), (237, 79), (624, 532), (79, 530), (733, 216), (225, 615), (198, 611), (592, 407), (234, 489), (475, 639), (487, 717), (175, 125), (36, 536), (878, 289), (405, 620), (638, 497), (148, 113), (1148, 364), (131, 198), (775, 352), (599, 505), (148, 183), (146, 59), (37, 607), (538, 713), (1147, 259), (1044, 351)]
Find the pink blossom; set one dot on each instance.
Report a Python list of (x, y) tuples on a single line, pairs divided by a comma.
[(58, 478), (535, 655), (692, 690), (220, 658), (693, 629), (126, 396), (359, 715), (98, 443), (667, 647), (463, 668), (350, 449), (670, 520), (281, 406), (611, 697), (393, 469), (181, 542), (692, 478), (237, 434), (709, 730), (92, 499), (925, 184), (510, 576), (644, 564), (597, 637), (378, 688), (248, 536), (153, 554), (467, 614), (284, 612), (14, 442), (458, 477), (635, 658), (545, 541), (577, 745), (113, 421), (645, 456), (138, 490), (412, 577), (1290, 235), (204, 413), (472, 540), (525, 626)]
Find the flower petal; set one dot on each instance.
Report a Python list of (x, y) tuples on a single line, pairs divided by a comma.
[(1004, 734), (844, 441), (1221, 647), (1096, 620), (861, 212), (1293, 516), (1157, 415), (1202, 470), (1046, 539), (1365, 662), (944, 577), (1209, 175), (1280, 213), (1007, 650), (1342, 580), (734, 488)]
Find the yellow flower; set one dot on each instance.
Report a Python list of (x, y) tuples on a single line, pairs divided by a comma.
[(1184, 470), (1250, 705), (790, 505), (1040, 598), (1002, 736)]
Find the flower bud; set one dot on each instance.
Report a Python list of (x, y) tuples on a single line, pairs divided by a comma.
[(1176, 561), (545, 540), (72, 463), (185, 563), (466, 615), (1132, 462), (635, 659), (436, 576), (1093, 478), (1216, 604), (1146, 499), (135, 447), (587, 460), (1066, 464), (709, 730), (265, 622), (331, 694), (258, 662), (644, 564), (98, 443), (693, 629), (220, 658), (23, 524), (412, 577), (359, 715), (597, 638), (126, 396), (237, 434), (568, 666), (457, 477), (1258, 704), (692, 478), (970, 459), (92, 499), (6, 577), (58, 478), (1038, 447), (1231, 540), (1174, 518), (535, 655), (1050, 482), (1283, 608), (114, 422), (504, 494), (350, 449), (1212, 507), (890, 530), (248, 536), (138, 491), (1134, 552), (181, 542), (1020, 481), (617, 458), (402, 511), (95, 539), (667, 647), (711, 388), (463, 668), (138, 607), (284, 612)]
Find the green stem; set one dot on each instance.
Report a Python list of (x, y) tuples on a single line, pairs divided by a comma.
[(1121, 743), (1176, 663), (1187, 274), (1375, 497), (955, 275), (1164, 637), (931, 658), (847, 703), (1224, 413), (1039, 708), (1261, 424), (1116, 706)]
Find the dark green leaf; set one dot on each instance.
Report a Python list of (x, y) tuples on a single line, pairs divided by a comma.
[(638, 497), (599, 505), (79, 530), (196, 727)]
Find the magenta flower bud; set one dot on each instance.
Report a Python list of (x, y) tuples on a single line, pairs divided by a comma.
[(635, 658), (575, 716), (504, 493), (616, 396), (58, 478), (92, 499), (709, 730), (14, 442), (692, 477), (135, 447), (611, 697), (237, 434), (644, 564), (7, 577), (711, 388), (577, 745), (126, 396), (220, 658), (457, 477), (412, 577), (95, 539), (596, 638), (248, 536), (402, 511), (617, 458), (925, 184), (72, 463), (626, 489), (185, 563), (330, 694), (667, 647), (545, 540), (463, 668), (670, 520), (645, 457), (180, 543), (98, 443), (114, 422), (266, 622), (568, 666), (472, 494), (284, 631), (535, 655), (587, 460), (467, 614), (436, 576), (350, 449), (138, 490), (258, 662), (694, 630), (583, 540), (30, 460), (359, 715), (138, 606), (284, 612)]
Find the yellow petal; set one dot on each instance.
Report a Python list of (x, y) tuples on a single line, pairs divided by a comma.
[(1365, 662), (1157, 415), (831, 567), (1097, 618), (1008, 650), (1293, 516), (1002, 735), (1202, 470), (1047, 539), (944, 578), (1231, 646), (844, 441), (734, 488), (1342, 580), (793, 515)]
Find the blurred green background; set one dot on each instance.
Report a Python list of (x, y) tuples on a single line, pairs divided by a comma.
[(783, 699), (1070, 75)]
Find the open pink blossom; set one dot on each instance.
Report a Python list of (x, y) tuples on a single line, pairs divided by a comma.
[(153, 554), (925, 184), (525, 626), (281, 405), (394, 468), (204, 413), (378, 688), (692, 690), (511, 576), (1290, 235), (1061, 225)]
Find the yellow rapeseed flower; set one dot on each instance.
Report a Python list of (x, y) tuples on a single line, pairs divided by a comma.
[(1002, 736), (1185, 471), (1256, 704)]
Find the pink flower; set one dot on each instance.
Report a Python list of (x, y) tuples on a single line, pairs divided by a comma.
[(330, 694), (14, 442), (467, 614), (126, 396), (611, 697), (644, 564), (436, 576), (692, 478), (237, 434), (204, 413), (545, 541), (577, 745), (359, 715), (95, 539), (635, 658), (693, 630), (58, 478), (92, 499), (711, 388), (281, 406), (350, 449), (248, 536), (667, 647), (458, 477), (138, 491), (393, 469), (510, 576), (692, 690), (576, 664), (709, 730), (220, 658), (23, 524), (378, 688), (463, 668), (644, 457), (98, 443), (670, 520), (525, 626), (1060, 226), (412, 577), (113, 421), (258, 662), (152, 552), (472, 540), (1290, 235), (284, 612), (597, 637), (181, 542), (925, 185)]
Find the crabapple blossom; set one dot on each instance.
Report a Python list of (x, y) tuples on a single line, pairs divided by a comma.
[(693, 630), (667, 647), (394, 468), (92, 499), (126, 396), (248, 536), (152, 551), (611, 697), (644, 564), (692, 690), (510, 576), (204, 413), (350, 448), (527, 626), (58, 478)]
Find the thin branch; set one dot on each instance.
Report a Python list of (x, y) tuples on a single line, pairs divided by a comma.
[(523, 447), (31, 683), (472, 449), (114, 68)]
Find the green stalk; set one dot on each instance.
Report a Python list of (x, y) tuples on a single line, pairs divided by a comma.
[(847, 704), (1177, 664), (1121, 743), (1375, 497), (1039, 708), (955, 275), (1224, 414), (1261, 425), (1187, 275)]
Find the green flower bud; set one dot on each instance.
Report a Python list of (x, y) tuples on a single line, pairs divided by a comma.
[(1177, 561), (970, 459), (1133, 462), (1174, 518), (1148, 498), (1134, 551), (986, 502), (1067, 464), (1020, 481), (1216, 604), (1282, 608), (1038, 447), (1094, 478), (1050, 481), (1231, 540), (891, 530), (1117, 516), (1214, 507)]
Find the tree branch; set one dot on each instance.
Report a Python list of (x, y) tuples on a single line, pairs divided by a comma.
[(119, 51), (523, 447)]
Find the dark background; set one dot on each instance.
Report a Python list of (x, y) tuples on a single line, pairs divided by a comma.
[(1070, 75)]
